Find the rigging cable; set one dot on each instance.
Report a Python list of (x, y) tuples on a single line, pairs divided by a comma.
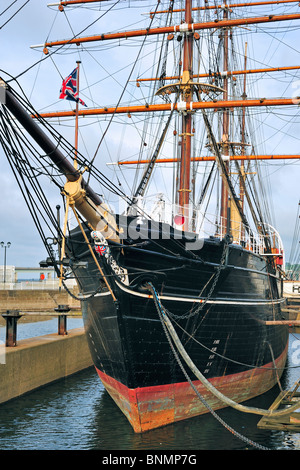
[(4, 24), (125, 86), (60, 47)]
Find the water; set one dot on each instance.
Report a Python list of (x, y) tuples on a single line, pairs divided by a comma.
[(76, 413), (39, 328)]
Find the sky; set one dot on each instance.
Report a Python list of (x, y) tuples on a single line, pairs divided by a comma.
[(41, 82), (42, 85)]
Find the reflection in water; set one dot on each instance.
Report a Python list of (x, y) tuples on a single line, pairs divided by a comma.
[(77, 413)]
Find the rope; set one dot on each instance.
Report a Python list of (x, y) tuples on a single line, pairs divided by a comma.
[(202, 399), (205, 382), (93, 255), (81, 298), (215, 276), (170, 332)]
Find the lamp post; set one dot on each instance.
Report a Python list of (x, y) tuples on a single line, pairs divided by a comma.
[(5, 247)]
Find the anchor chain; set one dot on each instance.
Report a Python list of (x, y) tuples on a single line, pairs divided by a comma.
[(215, 277)]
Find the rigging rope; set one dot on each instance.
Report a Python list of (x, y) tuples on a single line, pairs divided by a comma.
[(121, 96), (60, 47), (24, 4)]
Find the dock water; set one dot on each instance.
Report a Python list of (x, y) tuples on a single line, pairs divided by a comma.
[(34, 362), (38, 361)]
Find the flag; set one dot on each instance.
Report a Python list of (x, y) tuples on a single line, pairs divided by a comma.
[(68, 89), (101, 249)]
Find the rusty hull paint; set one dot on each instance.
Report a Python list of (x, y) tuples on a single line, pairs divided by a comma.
[(152, 407)]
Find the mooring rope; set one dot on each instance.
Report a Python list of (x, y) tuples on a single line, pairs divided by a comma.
[(202, 399), (206, 383), (171, 333)]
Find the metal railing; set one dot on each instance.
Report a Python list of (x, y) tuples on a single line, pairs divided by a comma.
[(52, 284), (207, 225)]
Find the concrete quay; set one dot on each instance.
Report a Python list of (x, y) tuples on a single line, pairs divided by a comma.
[(37, 300), (38, 361)]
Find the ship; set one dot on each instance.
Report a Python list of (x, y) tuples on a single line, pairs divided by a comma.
[(181, 291)]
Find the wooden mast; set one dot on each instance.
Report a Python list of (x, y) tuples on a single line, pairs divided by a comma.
[(225, 137), (242, 190), (63, 3), (76, 117), (186, 88), (190, 27), (185, 164)]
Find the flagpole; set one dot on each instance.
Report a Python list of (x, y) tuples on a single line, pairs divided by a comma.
[(76, 117)]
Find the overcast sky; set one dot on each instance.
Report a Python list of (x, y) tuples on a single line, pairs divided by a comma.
[(31, 26), (41, 84)]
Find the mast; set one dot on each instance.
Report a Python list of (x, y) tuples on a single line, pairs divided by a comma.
[(76, 117), (225, 136), (244, 96), (185, 164), (186, 107), (71, 2)]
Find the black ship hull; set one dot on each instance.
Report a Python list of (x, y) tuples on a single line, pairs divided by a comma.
[(219, 296)]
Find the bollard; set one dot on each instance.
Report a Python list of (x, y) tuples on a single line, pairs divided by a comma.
[(11, 317), (62, 319)]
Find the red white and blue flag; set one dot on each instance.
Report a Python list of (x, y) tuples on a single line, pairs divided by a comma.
[(101, 249), (68, 89)]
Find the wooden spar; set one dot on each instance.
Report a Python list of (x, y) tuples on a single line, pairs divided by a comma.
[(65, 3), (231, 5), (242, 172), (218, 74), (282, 322), (186, 27), (185, 163), (86, 201), (211, 159), (225, 137), (193, 106), (75, 2), (76, 118), (50, 148)]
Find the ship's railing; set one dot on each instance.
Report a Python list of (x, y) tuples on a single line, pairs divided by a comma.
[(201, 223), (205, 225)]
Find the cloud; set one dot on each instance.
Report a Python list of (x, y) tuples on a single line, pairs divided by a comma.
[(41, 84)]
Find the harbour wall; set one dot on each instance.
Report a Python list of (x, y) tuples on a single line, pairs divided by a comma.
[(37, 300), (38, 361)]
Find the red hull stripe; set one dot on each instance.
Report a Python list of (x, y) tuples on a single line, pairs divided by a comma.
[(151, 407)]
